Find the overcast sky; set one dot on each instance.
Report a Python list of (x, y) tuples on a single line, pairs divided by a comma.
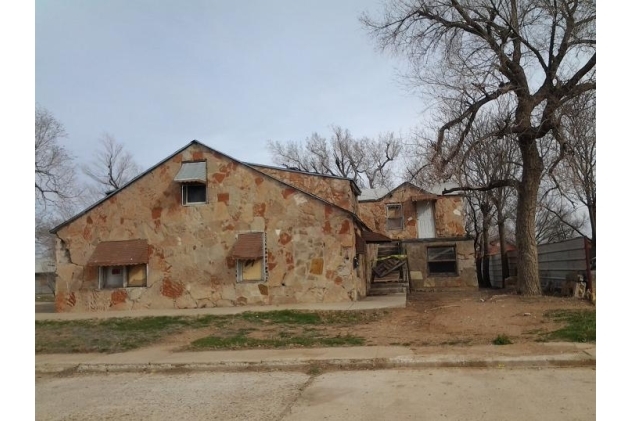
[(232, 74)]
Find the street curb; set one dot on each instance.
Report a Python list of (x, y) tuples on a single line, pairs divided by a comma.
[(538, 361)]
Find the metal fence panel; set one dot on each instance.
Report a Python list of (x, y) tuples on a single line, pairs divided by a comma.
[(557, 260)]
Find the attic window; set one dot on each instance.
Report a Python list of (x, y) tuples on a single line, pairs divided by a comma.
[(193, 193), (394, 216), (192, 176)]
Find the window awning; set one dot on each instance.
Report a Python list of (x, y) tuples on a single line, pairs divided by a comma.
[(120, 253), (249, 246), (192, 172), (374, 237)]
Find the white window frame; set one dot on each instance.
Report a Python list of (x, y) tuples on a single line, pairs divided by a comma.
[(125, 277), (185, 201)]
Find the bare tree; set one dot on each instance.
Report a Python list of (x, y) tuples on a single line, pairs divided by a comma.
[(368, 162), (56, 190), (112, 166), (534, 55), (54, 168), (577, 176), (556, 221)]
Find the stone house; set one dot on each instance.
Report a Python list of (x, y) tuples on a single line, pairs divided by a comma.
[(430, 227), (202, 229)]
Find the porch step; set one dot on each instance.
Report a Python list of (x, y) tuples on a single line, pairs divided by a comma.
[(387, 291), (386, 288)]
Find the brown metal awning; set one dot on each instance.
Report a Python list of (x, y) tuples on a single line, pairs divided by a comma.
[(120, 253), (249, 246)]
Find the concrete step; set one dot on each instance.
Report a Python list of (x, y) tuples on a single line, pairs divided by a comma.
[(387, 291), (388, 284)]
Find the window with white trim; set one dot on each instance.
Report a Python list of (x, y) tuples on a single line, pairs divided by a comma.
[(193, 193)]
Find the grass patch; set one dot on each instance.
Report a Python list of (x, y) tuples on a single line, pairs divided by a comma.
[(580, 325), (242, 341), (110, 335), (285, 328), (293, 317), (283, 317), (502, 340), (44, 298)]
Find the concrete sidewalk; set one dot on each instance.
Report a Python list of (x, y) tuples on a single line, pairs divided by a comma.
[(166, 358), (368, 303)]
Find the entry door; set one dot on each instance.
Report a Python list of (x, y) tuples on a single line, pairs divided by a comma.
[(425, 219)]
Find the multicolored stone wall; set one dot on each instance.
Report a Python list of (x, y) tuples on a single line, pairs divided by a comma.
[(310, 245), (420, 278), (335, 190), (448, 214)]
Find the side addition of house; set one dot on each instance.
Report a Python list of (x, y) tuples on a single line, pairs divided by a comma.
[(430, 226)]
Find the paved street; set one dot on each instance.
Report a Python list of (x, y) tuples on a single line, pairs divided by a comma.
[(425, 394)]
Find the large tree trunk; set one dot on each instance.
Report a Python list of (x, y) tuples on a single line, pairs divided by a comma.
[(527, 260)]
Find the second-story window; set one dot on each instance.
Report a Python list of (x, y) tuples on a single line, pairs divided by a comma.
[(394, 216)]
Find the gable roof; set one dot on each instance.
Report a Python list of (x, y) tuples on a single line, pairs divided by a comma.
[(196, 142), (375, 195), (354, 186)]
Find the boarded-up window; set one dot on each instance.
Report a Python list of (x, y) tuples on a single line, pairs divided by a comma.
[(442, 260), (137, 276), (249, 252), (394, 216), (123, 276), (250, 270), (121, 263)]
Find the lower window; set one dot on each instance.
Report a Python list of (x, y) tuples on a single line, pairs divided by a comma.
[(122, 276), (250, 270), (442, 260)]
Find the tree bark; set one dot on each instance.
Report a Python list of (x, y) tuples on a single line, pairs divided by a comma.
[(486, 276), (527, 259), (502, 234)]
